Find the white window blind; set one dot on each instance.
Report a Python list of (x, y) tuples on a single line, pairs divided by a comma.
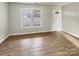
[(30, 17)]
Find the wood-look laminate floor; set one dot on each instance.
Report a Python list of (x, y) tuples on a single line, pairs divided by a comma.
[(43, 44)]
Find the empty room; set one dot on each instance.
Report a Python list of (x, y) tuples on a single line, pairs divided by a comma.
[(39, 29)]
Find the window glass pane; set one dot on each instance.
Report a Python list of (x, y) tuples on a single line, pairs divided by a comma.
[(31, 17), (26, 17), (36, 20)]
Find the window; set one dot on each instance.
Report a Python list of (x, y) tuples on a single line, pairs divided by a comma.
[(31, 17)]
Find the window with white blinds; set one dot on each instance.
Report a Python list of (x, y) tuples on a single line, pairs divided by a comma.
[(31, 17)]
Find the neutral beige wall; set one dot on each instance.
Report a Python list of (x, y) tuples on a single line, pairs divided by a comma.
[(14, 19), (3, 20), (71, 18)]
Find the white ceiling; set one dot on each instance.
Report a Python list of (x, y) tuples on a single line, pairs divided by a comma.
[(47, 3)]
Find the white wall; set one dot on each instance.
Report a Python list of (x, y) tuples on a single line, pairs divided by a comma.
[(3, 20), (71, 18), (57, 19), (14, 18), (10, 19)]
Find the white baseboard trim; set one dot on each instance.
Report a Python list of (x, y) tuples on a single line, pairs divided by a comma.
[(72, 39), (72, 34), (3, 38), (29, 33)]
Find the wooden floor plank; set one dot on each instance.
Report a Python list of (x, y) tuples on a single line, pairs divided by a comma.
[(42, 44)]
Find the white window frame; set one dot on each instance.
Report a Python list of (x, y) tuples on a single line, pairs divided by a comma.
[(30, 20)]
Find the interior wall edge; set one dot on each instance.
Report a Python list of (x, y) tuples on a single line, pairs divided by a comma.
[(71, 33), (71, 38), (11, 34), (3, 38), (4, 30)]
